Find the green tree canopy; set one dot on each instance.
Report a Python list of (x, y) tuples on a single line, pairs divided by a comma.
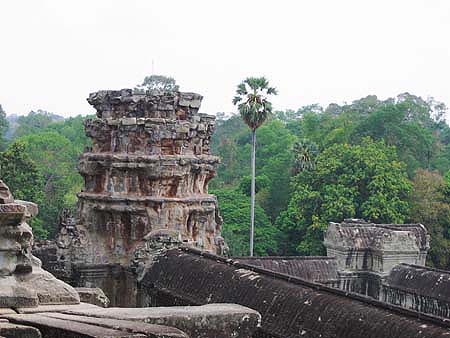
[(429, 206), (35, 122), (72, 129), (360, 181), (262, 182), (3, 127), (56, 160), (232, 142), (396, 125), (235, 211), (21, 175), (305, 153), (158, 83)]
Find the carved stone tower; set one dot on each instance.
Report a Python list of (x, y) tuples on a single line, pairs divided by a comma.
[(147, 171)]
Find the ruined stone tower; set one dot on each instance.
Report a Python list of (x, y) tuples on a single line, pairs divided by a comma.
[(147, 172)]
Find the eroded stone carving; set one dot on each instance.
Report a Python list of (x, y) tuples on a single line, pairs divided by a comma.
[(153, 245), (148, 170), (362, 246), (22, 280), (367, 252)]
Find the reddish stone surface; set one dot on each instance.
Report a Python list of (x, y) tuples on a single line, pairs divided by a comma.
[(148, 169)]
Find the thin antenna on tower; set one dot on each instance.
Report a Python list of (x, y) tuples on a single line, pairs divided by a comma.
[(153, 67)]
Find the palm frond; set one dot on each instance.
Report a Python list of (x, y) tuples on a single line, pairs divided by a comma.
[(241, 89), (237, 99), (252, 100), (272, 91)]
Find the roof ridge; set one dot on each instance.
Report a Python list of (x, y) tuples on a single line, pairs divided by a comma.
[(428, 268), (321, 287)]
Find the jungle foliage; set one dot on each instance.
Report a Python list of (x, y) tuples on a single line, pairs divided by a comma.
[(382, 160), (39, 164), (368, 159)]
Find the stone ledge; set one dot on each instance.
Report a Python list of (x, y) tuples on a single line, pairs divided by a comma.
[(94, 296), (53, 327), (130, 103), (63, 325), (125, 121), (85, 321), (11, 214), (206, 321), (10, 330), (56, 308), (125, 198), (150, 330), (126, 157)]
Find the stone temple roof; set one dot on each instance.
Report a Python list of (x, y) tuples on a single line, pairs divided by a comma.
[(310, 268), (421, 280), (290, 307), (360, 235)]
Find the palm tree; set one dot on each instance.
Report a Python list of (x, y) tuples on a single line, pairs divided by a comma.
[(253, 105), (305, 153)]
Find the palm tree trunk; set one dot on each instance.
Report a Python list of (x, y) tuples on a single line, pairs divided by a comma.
[(252, 210)]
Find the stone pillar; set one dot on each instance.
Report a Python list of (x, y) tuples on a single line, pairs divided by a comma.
[(147, 171), (23, 283)]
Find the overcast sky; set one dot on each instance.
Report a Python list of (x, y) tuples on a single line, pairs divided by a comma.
[(54, 53)]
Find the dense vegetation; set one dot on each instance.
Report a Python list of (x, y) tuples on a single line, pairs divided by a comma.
[(384, 161), (39, 164)]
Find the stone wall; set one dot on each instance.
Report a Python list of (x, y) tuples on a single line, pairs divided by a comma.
[(420, 288)]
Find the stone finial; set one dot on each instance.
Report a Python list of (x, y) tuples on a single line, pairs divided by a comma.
[(23, 282), (5, 194)]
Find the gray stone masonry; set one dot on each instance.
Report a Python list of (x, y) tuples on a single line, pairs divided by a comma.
[(22, 280)]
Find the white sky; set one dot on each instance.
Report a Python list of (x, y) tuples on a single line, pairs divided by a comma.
[(54, 53)]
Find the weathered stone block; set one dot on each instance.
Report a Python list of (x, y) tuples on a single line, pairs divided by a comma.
[(212, 320), (22, 281), (9, 330), (362, 246), (55, 327), (128, 121), (149, 330), (93, 296)]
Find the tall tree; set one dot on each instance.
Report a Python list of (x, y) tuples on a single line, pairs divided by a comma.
[(252, 101)]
